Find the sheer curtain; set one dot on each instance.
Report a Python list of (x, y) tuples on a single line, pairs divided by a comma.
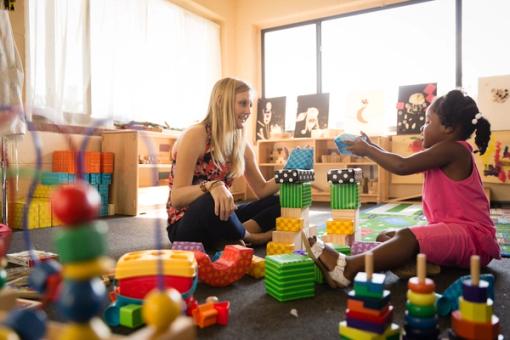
[(58, 75), (155, 60), (142, 60)]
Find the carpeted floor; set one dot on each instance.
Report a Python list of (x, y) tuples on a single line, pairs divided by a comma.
[(255, 315)]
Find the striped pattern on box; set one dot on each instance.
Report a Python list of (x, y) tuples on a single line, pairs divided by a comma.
[(344, 196), (341, 227), (294, 176), (289, 277), (295, 195)]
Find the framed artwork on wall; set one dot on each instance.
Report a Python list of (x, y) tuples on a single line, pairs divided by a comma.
[(413, 101), (312, 114), (494, 101), (364, 111), (270, 117)]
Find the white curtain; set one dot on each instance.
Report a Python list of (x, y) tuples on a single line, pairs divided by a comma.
[(57, 62), (146, 60), (12, 118)]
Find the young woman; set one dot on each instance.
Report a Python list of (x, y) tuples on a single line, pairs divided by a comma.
[(207, 158)]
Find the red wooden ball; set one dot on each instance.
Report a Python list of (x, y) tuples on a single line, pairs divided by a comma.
[(76, 203)]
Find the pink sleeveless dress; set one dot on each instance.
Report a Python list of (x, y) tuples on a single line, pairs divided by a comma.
[(458, 213)]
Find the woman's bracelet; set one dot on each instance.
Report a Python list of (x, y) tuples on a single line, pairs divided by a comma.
[(215, 184), (204, 188)]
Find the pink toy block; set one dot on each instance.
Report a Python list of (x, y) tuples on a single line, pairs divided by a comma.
[(361, 247), (190, 246), (230, 267)]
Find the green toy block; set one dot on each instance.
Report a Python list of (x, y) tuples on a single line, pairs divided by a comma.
[(86, 242), (289, 293), (369, 288), (295, 195), (319, 277), (131, 316), (346, 250), (289, 261), (344, 196), (283, 277)]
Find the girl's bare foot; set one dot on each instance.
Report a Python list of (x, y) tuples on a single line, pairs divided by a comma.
[(258, 238)]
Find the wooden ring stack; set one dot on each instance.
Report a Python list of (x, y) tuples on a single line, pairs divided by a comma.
[(420, 316)]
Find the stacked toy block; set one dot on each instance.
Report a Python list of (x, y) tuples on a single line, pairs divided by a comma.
[(345, 202), (97, 170), (474, 319), (257, 268), (39, 210), (295, 199), (289, 277), (234, 262), (369, 313), (421, 317)]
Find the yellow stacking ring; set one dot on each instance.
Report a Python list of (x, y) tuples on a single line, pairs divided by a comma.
[(421, 299), (88, 269)]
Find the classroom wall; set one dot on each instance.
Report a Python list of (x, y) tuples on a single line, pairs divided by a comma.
[(241, 23)]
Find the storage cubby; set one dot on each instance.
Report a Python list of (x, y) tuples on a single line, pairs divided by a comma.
[(273, 153)]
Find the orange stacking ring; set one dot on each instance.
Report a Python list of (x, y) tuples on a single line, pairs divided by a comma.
[(426, 287)]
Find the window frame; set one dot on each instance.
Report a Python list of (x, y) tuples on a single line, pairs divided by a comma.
[(318, 22)]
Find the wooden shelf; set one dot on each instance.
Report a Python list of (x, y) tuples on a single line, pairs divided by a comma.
[(267, 153), (154, 165), (132, 189)]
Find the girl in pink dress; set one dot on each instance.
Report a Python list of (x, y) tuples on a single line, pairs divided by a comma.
[(454, 202)]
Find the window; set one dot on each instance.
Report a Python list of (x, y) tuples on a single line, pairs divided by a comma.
[(289, 69), (484, 46), (373, 52), (121, 59), (376, 52)]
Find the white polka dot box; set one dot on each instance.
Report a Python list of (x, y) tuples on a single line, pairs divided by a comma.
[(294, 176), (345, 176)]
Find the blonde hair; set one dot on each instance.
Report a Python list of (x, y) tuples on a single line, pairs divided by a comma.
[(227, 142)]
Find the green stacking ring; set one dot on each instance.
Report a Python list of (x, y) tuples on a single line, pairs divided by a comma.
[(421, 311), (84, 243)]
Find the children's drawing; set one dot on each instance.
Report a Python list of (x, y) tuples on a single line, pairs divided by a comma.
[(270, 117), (312, 114), (413, 101), (494, 101)]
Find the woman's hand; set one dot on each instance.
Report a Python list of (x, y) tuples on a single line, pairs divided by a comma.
[(223, 201), (359, 146)]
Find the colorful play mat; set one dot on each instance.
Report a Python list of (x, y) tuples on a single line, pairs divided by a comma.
[(375, 219)]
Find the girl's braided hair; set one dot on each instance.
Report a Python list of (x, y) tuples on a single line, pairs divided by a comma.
[(457, 110)]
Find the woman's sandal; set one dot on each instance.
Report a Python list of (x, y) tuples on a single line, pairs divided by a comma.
[(315, 251)]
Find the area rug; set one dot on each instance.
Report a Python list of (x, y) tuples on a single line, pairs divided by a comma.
[(377, 218)]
